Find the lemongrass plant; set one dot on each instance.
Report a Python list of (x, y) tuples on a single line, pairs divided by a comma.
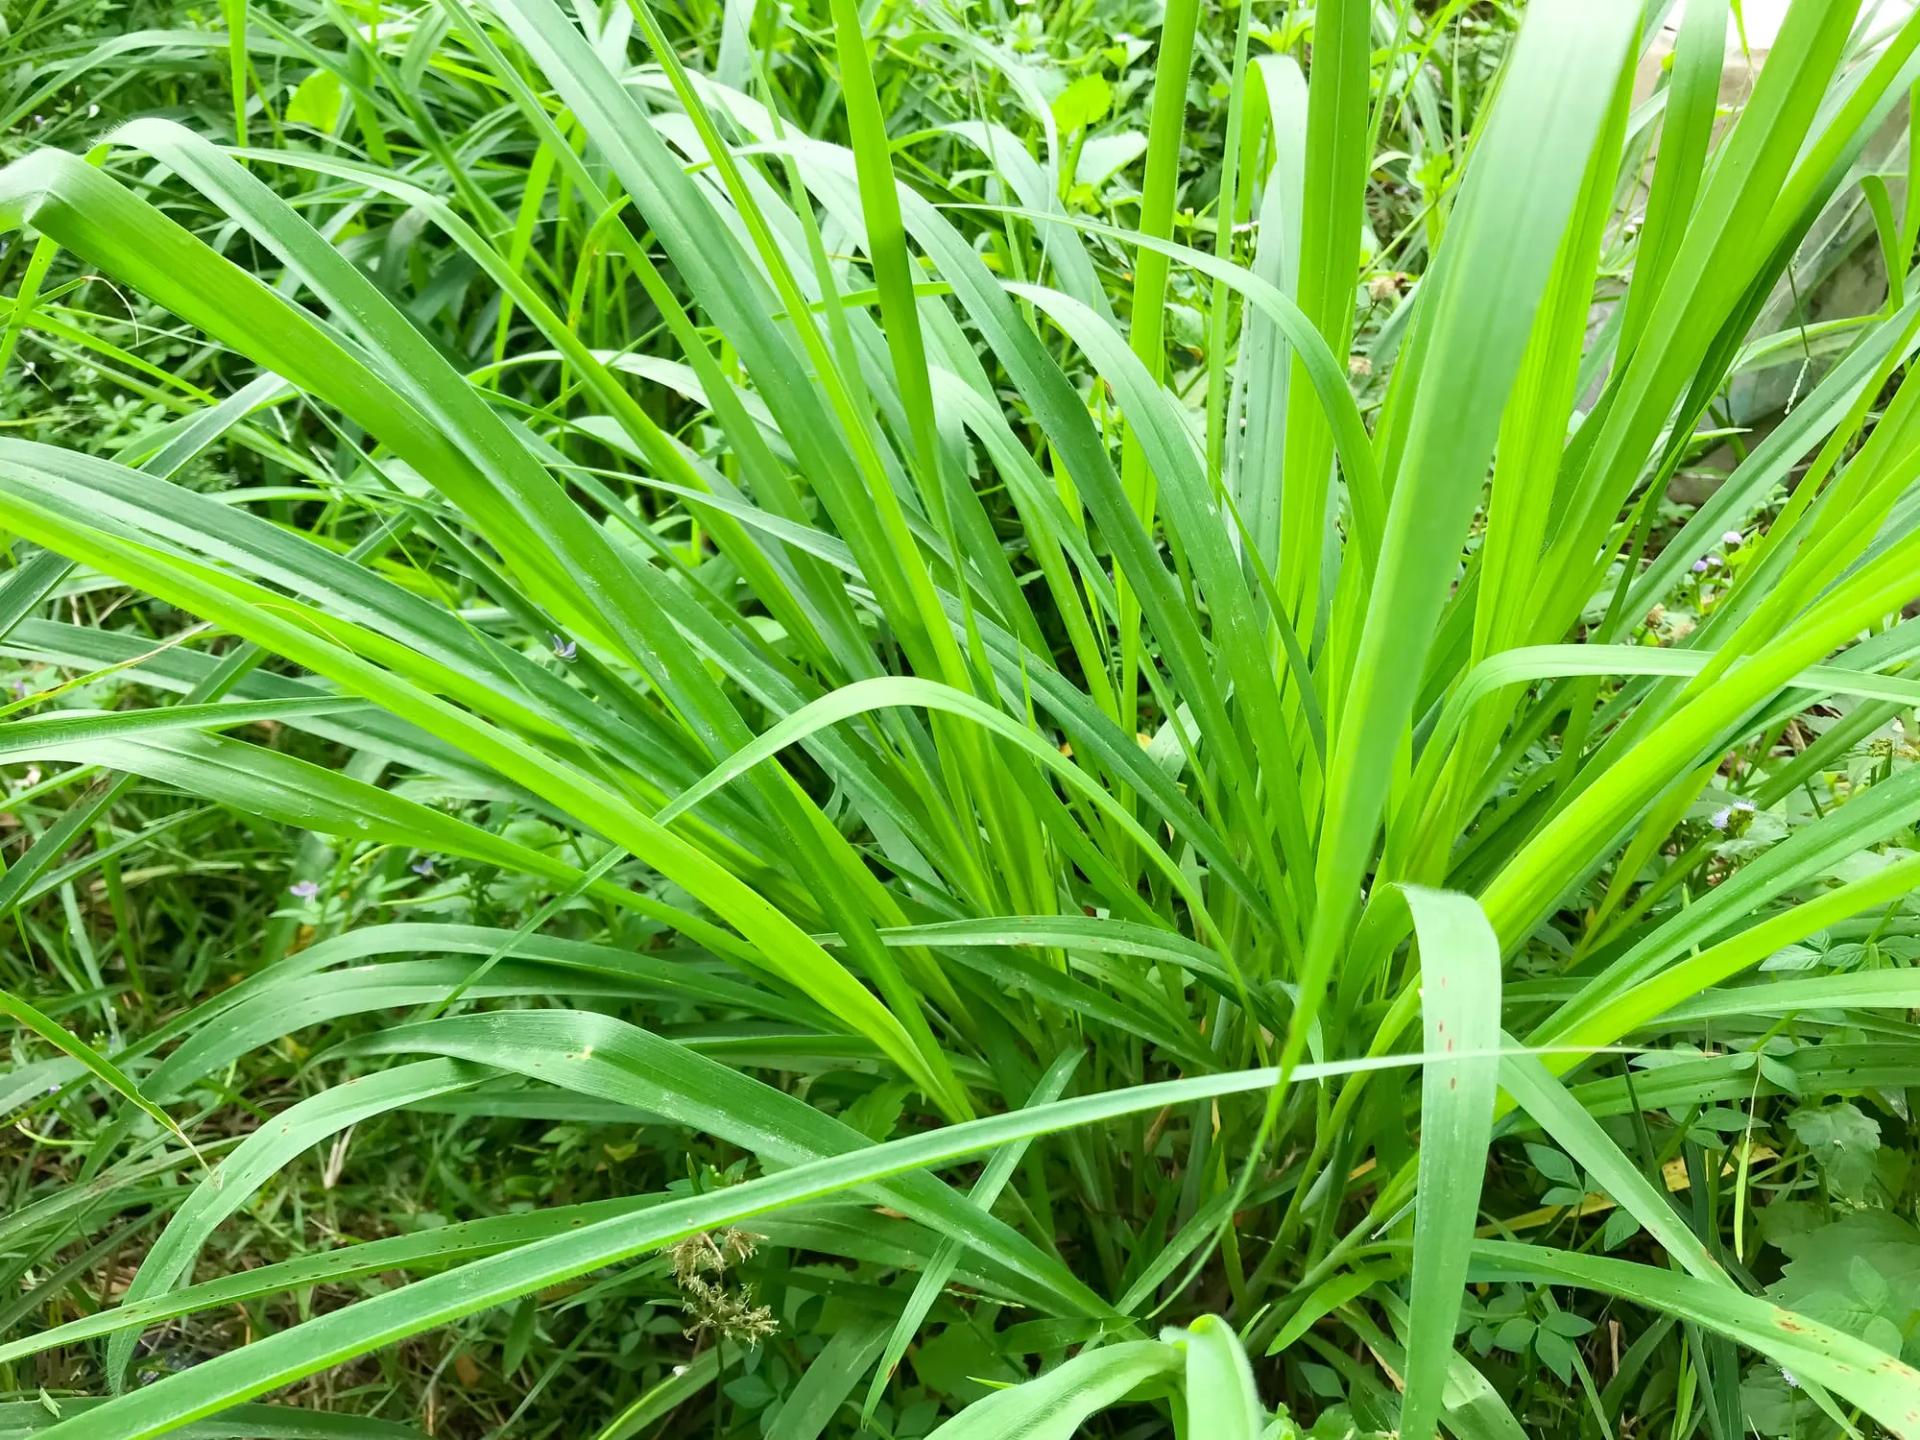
[(1128, 773)]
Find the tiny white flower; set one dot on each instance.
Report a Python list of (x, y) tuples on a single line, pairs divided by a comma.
[(1733, 539), (1721, 817)]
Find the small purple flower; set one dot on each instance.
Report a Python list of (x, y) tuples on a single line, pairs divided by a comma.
[(1700, 567), (563, 647), (18, 689), (303, 889), (1723, 817), (422, 866), (1733, 539)]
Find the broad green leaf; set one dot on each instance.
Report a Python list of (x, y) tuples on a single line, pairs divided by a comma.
[(1460, 999), (1220, 1396), (1054, 1406)]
